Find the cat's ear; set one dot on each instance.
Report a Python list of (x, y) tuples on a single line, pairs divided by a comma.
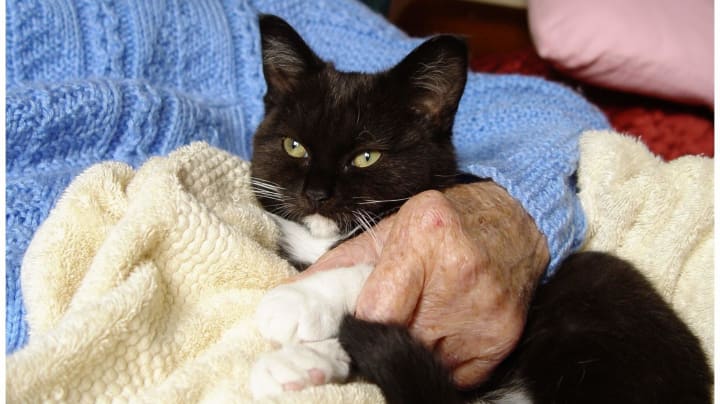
[(286, 58), (434, 75)]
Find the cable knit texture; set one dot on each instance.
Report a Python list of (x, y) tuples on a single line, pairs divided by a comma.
[(97, 80)]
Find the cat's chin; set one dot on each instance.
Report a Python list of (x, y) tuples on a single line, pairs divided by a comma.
[(321, 226)]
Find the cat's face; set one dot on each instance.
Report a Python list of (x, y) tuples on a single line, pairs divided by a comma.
[(336, 149)]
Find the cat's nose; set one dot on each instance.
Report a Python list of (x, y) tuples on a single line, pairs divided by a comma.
[(317, 194)]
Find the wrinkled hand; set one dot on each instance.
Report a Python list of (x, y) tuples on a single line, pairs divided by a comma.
[(458, 268)]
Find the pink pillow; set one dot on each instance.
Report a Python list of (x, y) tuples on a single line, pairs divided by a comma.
[(662, 48)]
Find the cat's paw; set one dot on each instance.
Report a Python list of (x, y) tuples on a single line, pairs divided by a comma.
[(295, 367), (295, 312)]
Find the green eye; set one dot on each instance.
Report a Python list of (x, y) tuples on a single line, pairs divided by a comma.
[(366, 159), (294, 148)]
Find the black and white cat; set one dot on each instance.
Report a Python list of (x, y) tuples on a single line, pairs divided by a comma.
[(338, 151)]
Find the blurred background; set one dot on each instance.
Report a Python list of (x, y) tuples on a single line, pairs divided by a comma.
[(505, 21), (648, 64)]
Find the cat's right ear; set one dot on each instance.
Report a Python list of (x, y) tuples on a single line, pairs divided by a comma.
[(286, 58), (435, 74)]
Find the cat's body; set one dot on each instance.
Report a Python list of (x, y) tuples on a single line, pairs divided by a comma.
[(338, 151), (598, 332)]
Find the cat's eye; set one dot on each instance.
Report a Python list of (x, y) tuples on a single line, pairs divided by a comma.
[(294, 148), (366, 159)]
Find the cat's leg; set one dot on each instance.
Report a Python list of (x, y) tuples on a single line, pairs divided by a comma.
[(310, 309), (297, 366), (305, 317)]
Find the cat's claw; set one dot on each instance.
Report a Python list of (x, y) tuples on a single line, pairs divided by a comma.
[(297, 366)]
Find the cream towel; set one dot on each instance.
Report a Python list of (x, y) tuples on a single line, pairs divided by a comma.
[(658, 215), (140, 286)]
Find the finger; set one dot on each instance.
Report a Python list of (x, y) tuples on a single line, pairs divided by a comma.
[(365, 248), (341, 256), (344, 255), (472, 353), (390, 294), (473, 372), (392, 291)]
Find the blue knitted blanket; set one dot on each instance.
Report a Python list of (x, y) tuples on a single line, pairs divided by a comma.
[(124, 80)]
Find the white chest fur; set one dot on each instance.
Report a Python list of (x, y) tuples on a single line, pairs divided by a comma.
[(305, 244)]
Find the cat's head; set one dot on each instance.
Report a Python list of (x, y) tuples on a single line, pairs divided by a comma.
[(335, 148)]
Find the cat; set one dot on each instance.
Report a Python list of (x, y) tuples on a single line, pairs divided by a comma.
[(338, 151)]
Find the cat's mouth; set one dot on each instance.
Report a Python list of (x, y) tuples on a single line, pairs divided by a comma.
[(344, 226), (328, 220)]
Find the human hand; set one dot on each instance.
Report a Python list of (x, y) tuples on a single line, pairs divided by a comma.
[(457, 268)]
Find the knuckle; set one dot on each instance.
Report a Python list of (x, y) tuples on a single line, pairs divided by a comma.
[(432, 220), (430, 210), (426, 198)]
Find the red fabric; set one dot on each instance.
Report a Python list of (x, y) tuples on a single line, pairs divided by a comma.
[(669, 129)]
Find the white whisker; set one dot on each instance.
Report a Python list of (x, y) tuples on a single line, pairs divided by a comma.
[(266, 189), (264, 183), (269, 195), (366, 222), (377, 201), (265, 186)]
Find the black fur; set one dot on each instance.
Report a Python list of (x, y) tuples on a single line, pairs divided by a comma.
[(404, 370), (596, 333)]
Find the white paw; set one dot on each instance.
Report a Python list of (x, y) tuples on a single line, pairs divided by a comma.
[(295, 367), (295, 312)]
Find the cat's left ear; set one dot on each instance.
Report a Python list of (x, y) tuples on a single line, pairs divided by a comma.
[(286, 58), (435, 74)]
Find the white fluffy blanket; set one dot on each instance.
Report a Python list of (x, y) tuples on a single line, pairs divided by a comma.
[(658, 215), (141, 285)]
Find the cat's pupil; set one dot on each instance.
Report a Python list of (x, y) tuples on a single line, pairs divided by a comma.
[(366, 159), (294, 148)]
